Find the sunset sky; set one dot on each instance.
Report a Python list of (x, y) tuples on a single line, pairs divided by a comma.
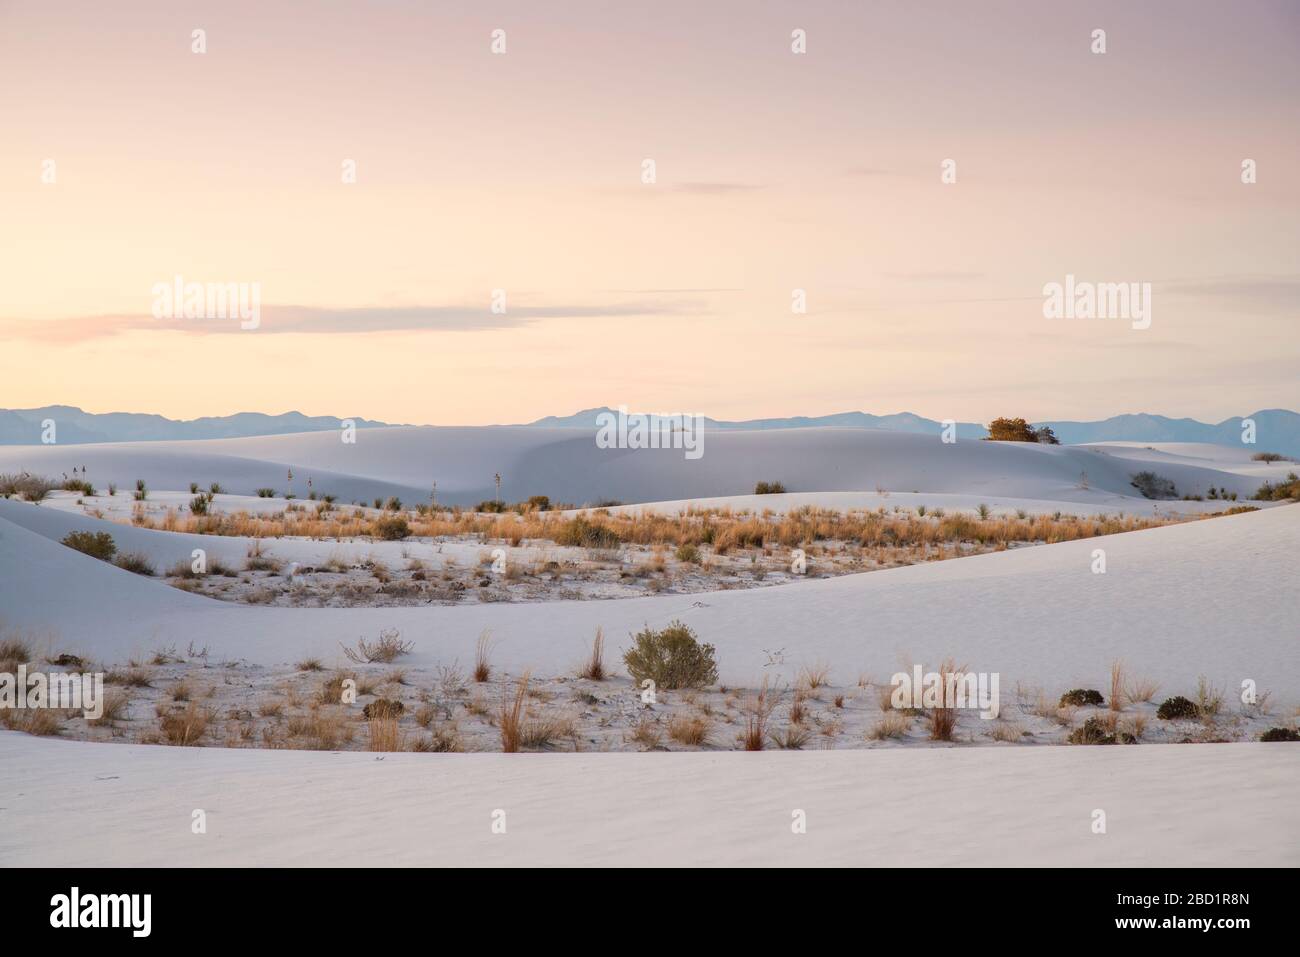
[(775, 171)]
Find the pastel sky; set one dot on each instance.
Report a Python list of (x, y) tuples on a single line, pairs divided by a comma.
[(775, 171)]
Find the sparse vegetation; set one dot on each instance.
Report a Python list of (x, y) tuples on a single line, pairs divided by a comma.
[(769, 488)]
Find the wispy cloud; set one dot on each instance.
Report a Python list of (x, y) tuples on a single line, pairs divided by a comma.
[(313, 320)]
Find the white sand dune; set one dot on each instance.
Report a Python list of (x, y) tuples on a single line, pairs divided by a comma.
[(1165, 805), (1213, 597), (566, 465)]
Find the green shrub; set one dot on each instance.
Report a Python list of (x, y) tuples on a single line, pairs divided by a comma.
[(215, 489), (1152, 485), (141, 491), (769, 488), (1280, 734), (394, 504), (1172, 709), (95, 544), (688, 553), (671, 658), (1092, 732), (391, 528), (199, 504), (266, 493), (1081, 697), (194, 488)]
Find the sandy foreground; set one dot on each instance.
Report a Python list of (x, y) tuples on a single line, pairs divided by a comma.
[(1175, 805)]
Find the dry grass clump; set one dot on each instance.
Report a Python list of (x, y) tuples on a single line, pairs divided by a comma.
[(594, 667), (331, 690), (894, 724), (271, 709), (1141, 689), (383, 735), (116, 706), (793, 738), (186, 726), (510, 721), (386, 650), (815, 676), (647, 733), (1006, 731), (1209, 700), (1117, 686), (690, 730), (482, 653), (444, 740), (757, 710), (943, 720), (310, 664), (14, 651), (38, 721), (135, 676)]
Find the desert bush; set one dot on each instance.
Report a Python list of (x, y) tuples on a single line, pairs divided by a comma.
[(1268, 457), (1152, 485), (386, 650), (688, 553), (135, 563), (1209, 700), (116, 705), (391, 529), (1288, 489), (199, 504), (1093, 731), (95, 544), (539, 503), (1177, 707), (491, 507), (78, 485), (1018, 430), (1081, 697), (671, 658), (1280, 734), (266, 493), (769, 488), (141, 490)]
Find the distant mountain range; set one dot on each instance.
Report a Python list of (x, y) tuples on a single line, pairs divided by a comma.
[(1277, 430), (75, 427)]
